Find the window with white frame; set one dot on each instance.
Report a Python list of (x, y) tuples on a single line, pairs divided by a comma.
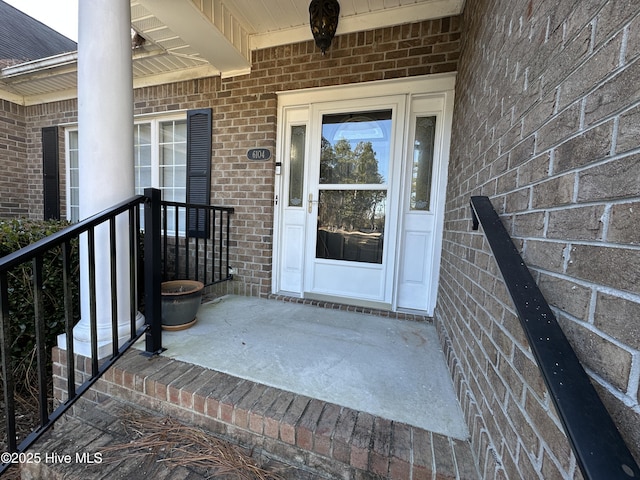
[(160, 161), (73, 176), (160, 158)]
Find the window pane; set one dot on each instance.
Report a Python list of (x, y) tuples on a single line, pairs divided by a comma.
[(143, 179), (173, 162), (296, 165), (355, 148), (180, 153), (73, 202), (166, 132), (74, 175), (167, 194), (180, 177), (73, 140), (73, 156), (142, 134), (166, 178), (75, 196), (74, 214), (180, 194), (166, 155), (180, 132), (143, 155), (422, 163), (351, 225)]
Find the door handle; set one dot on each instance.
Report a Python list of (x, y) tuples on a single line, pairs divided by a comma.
[(311, 202)]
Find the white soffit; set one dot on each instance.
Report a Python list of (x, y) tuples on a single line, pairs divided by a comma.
[(195, 28), (189, 39), (357, 16)]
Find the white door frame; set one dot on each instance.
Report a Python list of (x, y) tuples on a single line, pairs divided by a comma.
[(299, 100)]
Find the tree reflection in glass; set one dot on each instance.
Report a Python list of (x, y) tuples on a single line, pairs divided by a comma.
[(351, 219)]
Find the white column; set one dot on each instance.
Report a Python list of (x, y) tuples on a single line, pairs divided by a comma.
[(105, 137)]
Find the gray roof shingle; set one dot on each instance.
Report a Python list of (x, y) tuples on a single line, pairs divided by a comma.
[(23, 38)]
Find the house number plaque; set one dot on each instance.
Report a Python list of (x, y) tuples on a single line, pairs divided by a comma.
[(259, 154)]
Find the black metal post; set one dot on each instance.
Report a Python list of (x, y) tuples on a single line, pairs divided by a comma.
[(114, 286), (152, 272), (134, 232), (40, 339), (93, 308), (68, 318), (7, 364)]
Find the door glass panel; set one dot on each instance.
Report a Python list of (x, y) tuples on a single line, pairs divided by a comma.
[(355, 148), (422, 163), (351, 225), (296, 165)]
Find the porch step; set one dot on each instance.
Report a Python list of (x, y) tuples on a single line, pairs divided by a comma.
[(321, 439), (94, 443)]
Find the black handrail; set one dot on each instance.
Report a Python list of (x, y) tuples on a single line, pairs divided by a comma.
[(600, 451)]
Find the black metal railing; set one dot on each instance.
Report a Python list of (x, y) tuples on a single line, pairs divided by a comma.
[(195, 242), (126, 215), (83, 234), (600, 451)]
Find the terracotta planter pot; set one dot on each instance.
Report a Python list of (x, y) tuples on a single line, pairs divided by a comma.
[(180, 303)]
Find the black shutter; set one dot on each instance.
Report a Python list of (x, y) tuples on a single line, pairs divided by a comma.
[(50, 169), (198, 170)]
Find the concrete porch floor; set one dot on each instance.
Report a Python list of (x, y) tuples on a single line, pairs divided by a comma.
[(318, 393), (387, 367)]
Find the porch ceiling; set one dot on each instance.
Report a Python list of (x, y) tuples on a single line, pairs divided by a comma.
[(186, 39)]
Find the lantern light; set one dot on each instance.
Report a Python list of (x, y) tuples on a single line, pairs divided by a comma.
[(323, 17)]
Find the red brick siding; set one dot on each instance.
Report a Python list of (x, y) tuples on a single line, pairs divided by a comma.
[(14, 189), (545, 123)]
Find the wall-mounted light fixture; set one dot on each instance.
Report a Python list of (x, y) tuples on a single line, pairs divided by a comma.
[(323, 17)]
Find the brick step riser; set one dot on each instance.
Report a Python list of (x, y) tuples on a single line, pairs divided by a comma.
[(331, 440)]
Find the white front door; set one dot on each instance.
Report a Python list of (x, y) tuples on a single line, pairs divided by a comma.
[(351, 204), (359, 195)]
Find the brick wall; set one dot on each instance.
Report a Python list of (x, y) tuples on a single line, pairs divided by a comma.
[(13, 149), (546, 124)]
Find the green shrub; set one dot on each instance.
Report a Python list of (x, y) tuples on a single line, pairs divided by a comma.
[(16, 234)]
